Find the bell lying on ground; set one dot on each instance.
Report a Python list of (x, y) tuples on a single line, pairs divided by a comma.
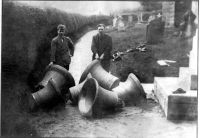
[(56, 83), (62, 78), (47, 94), (105, 79), (93, 99), (130, 91)]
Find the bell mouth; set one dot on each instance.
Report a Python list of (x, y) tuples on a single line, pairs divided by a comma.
[(88, 97), (115, 84), (137, 82)]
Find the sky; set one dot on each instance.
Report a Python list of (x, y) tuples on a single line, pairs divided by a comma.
[(86, 7)]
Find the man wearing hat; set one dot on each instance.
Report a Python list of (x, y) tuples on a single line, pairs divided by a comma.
[(62, 49), (102, 47)]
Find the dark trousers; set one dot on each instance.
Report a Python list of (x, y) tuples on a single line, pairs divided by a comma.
[(106, 64)]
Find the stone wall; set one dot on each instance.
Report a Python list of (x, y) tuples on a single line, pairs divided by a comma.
[(168, 10)]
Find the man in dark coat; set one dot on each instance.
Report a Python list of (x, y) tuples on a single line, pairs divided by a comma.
[(62, 49), (102, 47)]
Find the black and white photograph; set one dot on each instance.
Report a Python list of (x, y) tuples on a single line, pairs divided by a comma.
[(113, 69)]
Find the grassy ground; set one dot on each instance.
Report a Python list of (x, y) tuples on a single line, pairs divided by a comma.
[(144, 64)]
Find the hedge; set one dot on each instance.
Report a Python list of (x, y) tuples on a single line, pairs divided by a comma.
[(27, 33)]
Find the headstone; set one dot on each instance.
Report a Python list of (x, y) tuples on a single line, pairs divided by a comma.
[(121, 25), (141, 17), (155, 31), (115, 22), (130, 18)]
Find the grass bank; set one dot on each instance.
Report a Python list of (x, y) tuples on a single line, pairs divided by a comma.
[(144, 64)]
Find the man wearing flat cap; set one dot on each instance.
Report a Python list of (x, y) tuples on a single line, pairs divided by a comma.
[(102, 47), (62, 48)]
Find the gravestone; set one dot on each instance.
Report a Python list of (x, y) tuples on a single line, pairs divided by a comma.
[(121, 25), (130, 18), (115, 22), (155, 31)]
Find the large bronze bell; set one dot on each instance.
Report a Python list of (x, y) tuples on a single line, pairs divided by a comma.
[(130, 91), (94, 98), (46, 94), (54, 86), (104, 79), (61, 77)]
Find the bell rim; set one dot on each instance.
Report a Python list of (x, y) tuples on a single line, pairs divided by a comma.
[(132, 76), (94, 100), (35, 99), (63, 71), (115, 84)]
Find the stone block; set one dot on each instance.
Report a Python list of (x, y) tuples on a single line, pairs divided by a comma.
[(193, 84), (175, 106)]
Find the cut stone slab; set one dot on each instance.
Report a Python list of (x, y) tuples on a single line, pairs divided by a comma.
[(176, 106)]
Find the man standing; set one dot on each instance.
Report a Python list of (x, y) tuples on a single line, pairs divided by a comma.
[(102, 47), (62, 49)]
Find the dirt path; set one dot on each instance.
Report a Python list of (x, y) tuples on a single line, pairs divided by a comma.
[(82, 55), (145, 120)]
